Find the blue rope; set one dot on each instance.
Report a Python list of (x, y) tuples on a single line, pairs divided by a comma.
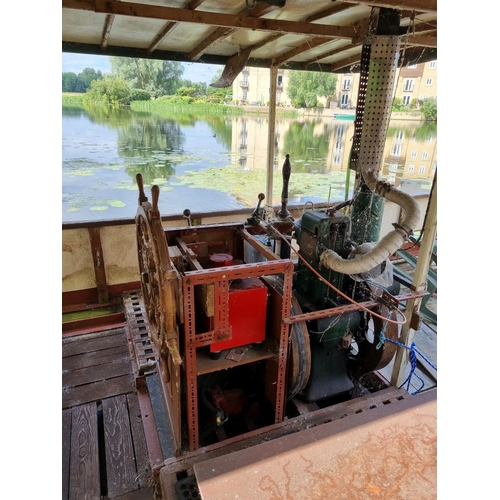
[(413, 359)]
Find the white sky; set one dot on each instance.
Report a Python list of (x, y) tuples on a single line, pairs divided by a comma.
[(196, 72)]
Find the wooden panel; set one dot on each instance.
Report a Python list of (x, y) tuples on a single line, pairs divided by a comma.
[(98, 390), (95, 358), (139, 439), (84, 468), (94, 344), (120, 463), (92, 374), (99, 267), (66, 451)]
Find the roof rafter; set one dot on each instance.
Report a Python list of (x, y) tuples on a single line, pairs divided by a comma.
[(221, 33), (108, 23), (209, 18), (193, 4), (417, 5)]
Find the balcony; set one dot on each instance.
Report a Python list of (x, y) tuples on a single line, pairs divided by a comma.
[(244, 84)]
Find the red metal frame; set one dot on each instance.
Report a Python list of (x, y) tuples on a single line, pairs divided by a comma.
[(219, 278)]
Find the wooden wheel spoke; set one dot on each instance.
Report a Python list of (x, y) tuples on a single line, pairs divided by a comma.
[(154, 264)]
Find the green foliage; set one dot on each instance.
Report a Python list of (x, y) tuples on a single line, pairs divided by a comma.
[(140, 95), (73, 83), (429, 108), (185, 91), (398, 105), (157, 77), (304, 87), (69, 80), (88, 75), (72, 101), (108, 90)]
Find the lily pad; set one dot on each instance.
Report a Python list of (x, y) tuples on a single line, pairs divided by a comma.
[(116, 203)]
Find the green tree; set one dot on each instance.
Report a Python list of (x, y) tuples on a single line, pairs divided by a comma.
[(429, 108), (88, 75), (218, 93), (108, 90), (157, 77), (69, 80), (307, 86)]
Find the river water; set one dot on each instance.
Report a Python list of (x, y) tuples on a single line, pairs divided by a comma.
[(218, 163)]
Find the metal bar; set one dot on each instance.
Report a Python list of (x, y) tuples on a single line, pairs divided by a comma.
[(335, 311)]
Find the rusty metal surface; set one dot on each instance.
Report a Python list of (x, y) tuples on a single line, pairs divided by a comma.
[(387, 453)]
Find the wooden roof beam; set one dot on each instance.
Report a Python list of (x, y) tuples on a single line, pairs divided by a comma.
[(422, 41), (220, 33), (330, 53), (106, 31), (131, 9), (193, 4), (416, 5)]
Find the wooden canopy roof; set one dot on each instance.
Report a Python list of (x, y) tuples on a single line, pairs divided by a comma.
[(316, 35)]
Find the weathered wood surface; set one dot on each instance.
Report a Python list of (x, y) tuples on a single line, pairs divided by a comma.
[(120, 463), (104, 452), (84, 462)]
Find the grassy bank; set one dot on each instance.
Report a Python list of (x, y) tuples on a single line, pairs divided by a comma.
[(171, 108)]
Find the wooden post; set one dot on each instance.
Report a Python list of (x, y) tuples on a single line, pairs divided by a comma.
[(270, 140), (418, 284), (100, 272)]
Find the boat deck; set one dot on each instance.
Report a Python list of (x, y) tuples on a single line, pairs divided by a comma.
[(103, 441), (113, 444)]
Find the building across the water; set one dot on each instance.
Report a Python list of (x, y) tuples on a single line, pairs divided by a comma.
[(414, 83)]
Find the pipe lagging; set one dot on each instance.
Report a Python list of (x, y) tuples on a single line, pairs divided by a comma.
[(390, 243)]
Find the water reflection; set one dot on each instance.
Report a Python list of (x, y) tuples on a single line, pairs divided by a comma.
[(219, 162)]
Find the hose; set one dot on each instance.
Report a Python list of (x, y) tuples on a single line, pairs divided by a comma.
[(390, 243)]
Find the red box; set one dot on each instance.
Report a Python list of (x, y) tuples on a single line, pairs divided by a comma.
[(247, 314)]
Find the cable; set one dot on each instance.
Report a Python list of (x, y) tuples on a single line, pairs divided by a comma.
[(326, 282)]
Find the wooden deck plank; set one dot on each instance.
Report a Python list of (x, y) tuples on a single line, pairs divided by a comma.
[(120, 464), (66, 452), (84, 467), (139, 439), (98, 390), (95, 358), (94, 344), (75, 378), (99, 334)]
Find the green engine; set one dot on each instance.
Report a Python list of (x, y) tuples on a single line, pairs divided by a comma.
[(317, 231)]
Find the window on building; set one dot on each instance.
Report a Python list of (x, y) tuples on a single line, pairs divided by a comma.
[(432, 64), (400, 135), (413, 154), (412, 66), (411, 168), (245, 95), (346, 84), (425, 155), (393, 167), (339, 138), (245, 80), (344, 99), (396, 150), (280, 80), (428, 81), (406, 100), (409, 84), (337, 157), (421, 169), (434, 167)]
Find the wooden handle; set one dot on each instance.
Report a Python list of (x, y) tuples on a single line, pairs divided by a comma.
[(155, 195), (140, 185)]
